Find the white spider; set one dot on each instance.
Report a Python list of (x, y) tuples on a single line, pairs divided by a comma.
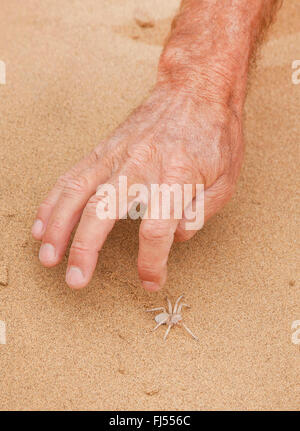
[(171, 317)]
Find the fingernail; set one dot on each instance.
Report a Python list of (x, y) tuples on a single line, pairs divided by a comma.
[(74, 277), (149, 285), (47, 253), (37, 228)]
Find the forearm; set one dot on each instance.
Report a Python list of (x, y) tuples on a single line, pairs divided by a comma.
[(211, 45)]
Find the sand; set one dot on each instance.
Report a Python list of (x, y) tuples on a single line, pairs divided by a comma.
[(75, 70)]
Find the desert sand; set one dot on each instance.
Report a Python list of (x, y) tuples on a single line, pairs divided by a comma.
[(74, 71)]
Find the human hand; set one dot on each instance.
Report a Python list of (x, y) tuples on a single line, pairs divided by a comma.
[(189, 131), (173, 138)]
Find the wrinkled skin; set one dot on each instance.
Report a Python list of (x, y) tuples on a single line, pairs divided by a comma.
[(170, 139), (189, 131)]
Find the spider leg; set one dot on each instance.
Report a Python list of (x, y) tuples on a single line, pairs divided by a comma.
[(160, 323), (169, 306), (156, 309), (180, 307), (167, 332), (189, 331), (176, 304)]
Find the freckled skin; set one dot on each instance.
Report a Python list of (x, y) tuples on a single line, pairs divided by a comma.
[(189, 131)]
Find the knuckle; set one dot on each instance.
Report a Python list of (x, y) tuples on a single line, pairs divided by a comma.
[(139, 158), (111, 162), (174, 55), (62, 180), (76, 185), (78, 246), (143, 152), (96, 155), (155, 231), (55, 225), (180, 173), (45, 205), (148, 271), (91, 207)]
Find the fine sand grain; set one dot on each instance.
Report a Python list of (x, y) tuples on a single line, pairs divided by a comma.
[(74, 71)]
